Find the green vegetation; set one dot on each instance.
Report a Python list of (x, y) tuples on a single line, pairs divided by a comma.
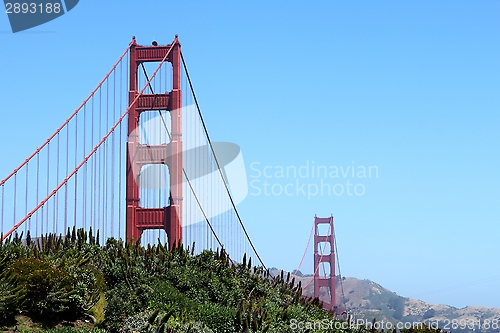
[(73, 284), (123, 287)]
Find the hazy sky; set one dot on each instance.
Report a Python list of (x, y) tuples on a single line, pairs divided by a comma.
[(408, 88)]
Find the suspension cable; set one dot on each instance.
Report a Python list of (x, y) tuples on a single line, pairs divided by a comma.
[(67, 120), (305, 251), (340, 274), (183, 170), (319, 264), (217, 162), (65, 181)]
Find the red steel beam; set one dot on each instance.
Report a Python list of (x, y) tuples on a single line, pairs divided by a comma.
[(168, 218), (328, 282)]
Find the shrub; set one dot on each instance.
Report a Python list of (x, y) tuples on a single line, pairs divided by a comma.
[(49, 290)]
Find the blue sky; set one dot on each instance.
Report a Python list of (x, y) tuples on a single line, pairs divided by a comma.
[(411, 88)]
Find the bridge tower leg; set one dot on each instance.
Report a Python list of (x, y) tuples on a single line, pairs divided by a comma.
[(167, 218), (329, 281)]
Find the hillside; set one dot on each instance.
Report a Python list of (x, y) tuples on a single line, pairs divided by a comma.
[(73, 284), (366, 299)]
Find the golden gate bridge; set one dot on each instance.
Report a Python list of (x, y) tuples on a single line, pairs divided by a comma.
[(135, 161)]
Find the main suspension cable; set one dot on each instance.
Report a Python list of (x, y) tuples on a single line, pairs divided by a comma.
[(338, 266), (183, 170), (217, 163)]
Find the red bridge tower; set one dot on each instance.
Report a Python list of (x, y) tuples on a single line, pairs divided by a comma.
[(138, 154), (329, 281)]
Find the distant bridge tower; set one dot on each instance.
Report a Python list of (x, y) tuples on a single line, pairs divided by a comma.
[(329, 281), (139, 154)]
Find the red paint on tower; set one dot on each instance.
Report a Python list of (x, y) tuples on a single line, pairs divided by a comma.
[(329, 281), (168, 218)]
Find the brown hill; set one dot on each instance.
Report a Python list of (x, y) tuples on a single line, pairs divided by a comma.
[(366, 300)]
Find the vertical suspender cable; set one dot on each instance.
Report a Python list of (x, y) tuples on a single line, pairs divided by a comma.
[(15, 195), (46, 218), (120, 159), (84, 181), (183, 169), (3, 203), (37, 190), (26, 198), (99, 174), (112, 217), (92, 174), (106, 165), (217, 162), (338, 266), (48, 188), (76, 175), (66, 184), (56, 197)]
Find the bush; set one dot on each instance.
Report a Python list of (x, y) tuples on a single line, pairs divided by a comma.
[(218, 318), (123, 302), (49, 291), (60, 279)]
